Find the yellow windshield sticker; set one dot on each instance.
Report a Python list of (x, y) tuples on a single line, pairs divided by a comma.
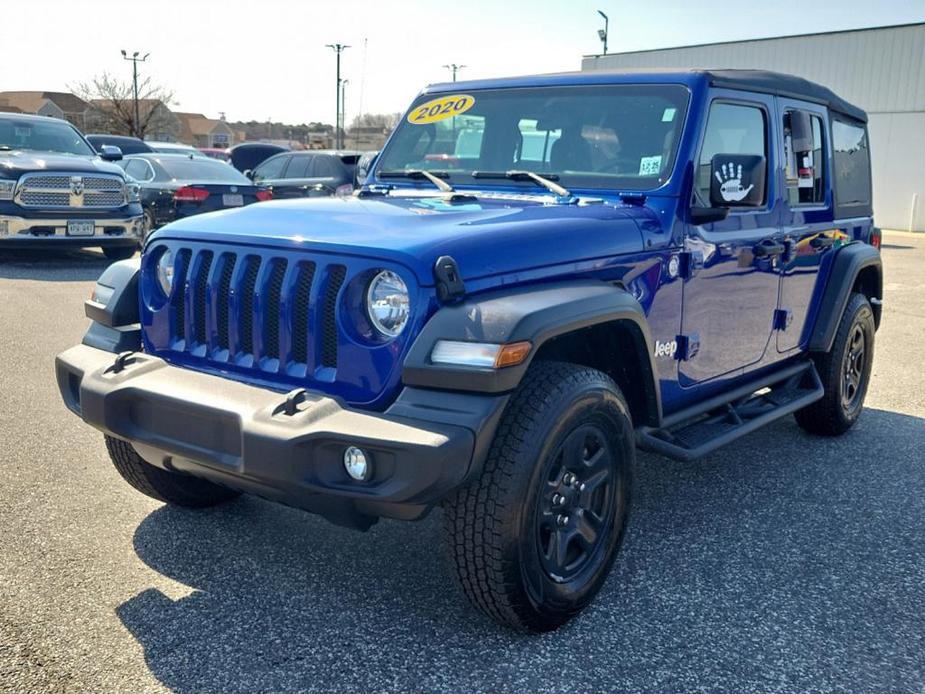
[(441, 109)]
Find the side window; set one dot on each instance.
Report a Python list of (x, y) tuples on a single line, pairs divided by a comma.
[(731, 129), (299, 166), (139, 170), (536, 140), (271, 168), (324, 168), (804, 158), (852, 164)]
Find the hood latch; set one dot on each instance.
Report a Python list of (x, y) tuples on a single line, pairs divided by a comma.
[(449, 282)]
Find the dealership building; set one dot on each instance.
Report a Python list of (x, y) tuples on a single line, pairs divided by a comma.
[(881, 69)]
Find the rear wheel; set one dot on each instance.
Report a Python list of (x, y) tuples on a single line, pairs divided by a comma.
[(533, 539), (845, 373), (171, 487)]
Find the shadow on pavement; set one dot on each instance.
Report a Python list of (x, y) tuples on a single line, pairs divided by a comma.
[(784, 563), (52, 264)]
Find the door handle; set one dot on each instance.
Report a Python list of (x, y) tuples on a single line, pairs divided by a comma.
[(768, 248), (822, 242)]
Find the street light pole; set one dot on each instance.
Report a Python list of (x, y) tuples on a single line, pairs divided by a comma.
[(338, 48), (454, 68), (343, 108), (135, 60), (602, 33)]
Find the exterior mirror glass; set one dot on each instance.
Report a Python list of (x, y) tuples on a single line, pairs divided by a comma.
[(737, 180)]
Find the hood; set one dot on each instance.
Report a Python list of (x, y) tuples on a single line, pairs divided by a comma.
[(492, 236), (16, 162)]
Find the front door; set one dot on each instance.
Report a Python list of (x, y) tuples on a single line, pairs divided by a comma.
[(731, 292), (806, 216)]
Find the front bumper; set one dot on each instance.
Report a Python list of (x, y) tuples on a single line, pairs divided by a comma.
[(427, 444), (31, 232)]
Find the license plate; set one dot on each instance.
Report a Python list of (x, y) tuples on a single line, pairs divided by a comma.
[(232, 200), (81, 228)]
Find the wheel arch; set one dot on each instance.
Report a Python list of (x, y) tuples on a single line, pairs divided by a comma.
[(856, 267), (585, 322)]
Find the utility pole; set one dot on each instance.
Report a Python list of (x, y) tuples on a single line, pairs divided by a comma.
[(602, 33), (343, 108), (454, 68), (135, 60), (338, 48)]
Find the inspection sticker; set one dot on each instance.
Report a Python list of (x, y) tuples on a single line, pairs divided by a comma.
[(650, 166), (441, 109)]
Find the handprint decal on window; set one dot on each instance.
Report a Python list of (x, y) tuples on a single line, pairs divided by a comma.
[(730, 180)]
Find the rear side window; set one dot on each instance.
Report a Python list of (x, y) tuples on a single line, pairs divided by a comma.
[(804, 158), (852, 164), (731, 129), (299, 166), (325, 168)]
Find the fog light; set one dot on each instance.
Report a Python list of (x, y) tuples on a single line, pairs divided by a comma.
[(357, 464)]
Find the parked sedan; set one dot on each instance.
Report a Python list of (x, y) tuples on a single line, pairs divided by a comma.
[(173, 186), (308, 174), (128, 145)]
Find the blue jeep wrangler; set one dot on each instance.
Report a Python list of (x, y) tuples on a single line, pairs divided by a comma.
[(540, 275), (55, 192)]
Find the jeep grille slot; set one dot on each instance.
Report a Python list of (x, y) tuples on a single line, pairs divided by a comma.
[(271, 312), (223, 299), (202, 276), (247, 304), (178, 298), (336, 275), (300, 302)]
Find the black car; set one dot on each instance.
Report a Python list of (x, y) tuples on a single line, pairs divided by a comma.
[(173, 186), (308, 174), (249, 155), (128, 145)]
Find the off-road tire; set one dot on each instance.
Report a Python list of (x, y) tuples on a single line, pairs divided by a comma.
[(831, 415), (170, 487), (119, 252), (491, 526)]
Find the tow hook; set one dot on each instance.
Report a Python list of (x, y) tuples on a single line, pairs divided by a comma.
[(122, 360)]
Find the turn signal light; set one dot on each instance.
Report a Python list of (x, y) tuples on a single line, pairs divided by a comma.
[(190, 194), (876, 237), (512, 354)]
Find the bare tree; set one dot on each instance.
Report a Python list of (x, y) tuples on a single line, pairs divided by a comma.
[(386, 121), (112, 106)]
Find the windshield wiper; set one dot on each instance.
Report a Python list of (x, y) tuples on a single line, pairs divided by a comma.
[(545, 181), (432, 176)]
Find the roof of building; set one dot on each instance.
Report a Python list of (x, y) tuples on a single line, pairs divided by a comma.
[(31, 101), (747, 80)]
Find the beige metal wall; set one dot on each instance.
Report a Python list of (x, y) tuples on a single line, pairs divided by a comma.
[(881, 70)]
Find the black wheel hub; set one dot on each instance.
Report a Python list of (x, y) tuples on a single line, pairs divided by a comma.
[(853, 366), (573, 514)]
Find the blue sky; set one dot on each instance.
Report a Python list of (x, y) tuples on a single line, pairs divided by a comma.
[(259, 59)]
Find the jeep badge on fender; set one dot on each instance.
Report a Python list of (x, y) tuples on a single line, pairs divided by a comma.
[(539, 276)]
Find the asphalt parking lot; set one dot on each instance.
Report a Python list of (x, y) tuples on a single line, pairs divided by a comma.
[(784, 563)]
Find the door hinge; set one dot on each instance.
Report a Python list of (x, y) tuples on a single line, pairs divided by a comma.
[(688, 347), (783, 317)]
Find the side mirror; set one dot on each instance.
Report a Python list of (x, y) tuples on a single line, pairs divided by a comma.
[(363, 167), (737, 180), (249, 173), (110, 153)]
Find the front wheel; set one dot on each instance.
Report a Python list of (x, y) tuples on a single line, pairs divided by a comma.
[(844, 371), (533, 539)]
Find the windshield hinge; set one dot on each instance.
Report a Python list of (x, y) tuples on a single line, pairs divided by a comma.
[(449, 282)]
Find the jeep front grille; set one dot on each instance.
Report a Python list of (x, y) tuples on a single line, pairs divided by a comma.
[(70, 190), (255, 309)]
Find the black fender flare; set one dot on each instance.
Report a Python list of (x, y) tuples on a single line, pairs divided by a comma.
[(847, 265), (113, 309), (536, 314)]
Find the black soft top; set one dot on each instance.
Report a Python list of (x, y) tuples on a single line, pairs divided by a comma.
[(784, 85)]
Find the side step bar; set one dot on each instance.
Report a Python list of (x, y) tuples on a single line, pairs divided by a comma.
[(702, 428)]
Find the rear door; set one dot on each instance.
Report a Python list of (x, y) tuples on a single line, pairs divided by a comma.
[(731, 295), (806, 216), (296, 181)]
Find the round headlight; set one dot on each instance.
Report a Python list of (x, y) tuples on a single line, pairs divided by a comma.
[(388, 303), (165, 271)]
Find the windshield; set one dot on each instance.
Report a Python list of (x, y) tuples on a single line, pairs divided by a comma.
[(201, 170), (43, 136), (614, 136)]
